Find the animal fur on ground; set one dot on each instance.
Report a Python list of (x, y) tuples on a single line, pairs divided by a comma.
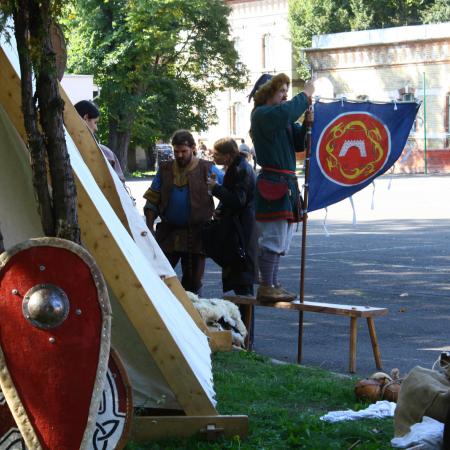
[(220, 314)]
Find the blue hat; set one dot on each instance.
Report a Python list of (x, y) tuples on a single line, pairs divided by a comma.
[(263, 79)]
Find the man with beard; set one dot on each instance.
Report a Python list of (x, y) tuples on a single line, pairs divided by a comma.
[(179, 195)]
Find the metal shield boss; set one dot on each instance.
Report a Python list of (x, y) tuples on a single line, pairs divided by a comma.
[(54, 342)]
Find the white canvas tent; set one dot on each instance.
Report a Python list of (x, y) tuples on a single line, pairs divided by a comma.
[(155, 329)]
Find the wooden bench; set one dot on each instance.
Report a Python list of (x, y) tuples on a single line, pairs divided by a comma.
[(352, 311)]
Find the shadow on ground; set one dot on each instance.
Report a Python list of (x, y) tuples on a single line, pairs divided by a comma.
[(402, 265)]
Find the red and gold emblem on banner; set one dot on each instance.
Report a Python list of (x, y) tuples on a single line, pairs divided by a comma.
[(353, 148)]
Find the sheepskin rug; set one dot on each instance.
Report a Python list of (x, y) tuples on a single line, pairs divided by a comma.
[(221, 315)]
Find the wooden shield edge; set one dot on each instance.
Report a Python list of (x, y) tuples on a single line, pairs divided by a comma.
[(6, 382), (16, 407), (126, 382)]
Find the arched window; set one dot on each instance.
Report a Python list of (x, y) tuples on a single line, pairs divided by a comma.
[(238, 45), (447, 113), (266, 49), (406, 94), (447, 119), (235, 119)]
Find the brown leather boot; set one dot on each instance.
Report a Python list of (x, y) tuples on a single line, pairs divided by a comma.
[(270, 294)]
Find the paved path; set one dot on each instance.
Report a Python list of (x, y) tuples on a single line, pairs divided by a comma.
[(397, 255)]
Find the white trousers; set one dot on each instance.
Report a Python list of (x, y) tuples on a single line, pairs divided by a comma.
[(275, 236)]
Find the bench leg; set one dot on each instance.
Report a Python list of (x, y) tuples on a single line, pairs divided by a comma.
[(375, 347), (248, 324), (300, 337), (353, 335)]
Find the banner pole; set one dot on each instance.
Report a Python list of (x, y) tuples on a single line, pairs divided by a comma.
[(425, 125), (308, 121)]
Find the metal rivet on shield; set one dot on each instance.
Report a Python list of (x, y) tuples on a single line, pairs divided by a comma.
[(143, 233), (14, 292), (78, 312), (52, 340), (41, 268)]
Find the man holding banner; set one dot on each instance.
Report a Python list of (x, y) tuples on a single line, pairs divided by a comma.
[(276, 137)]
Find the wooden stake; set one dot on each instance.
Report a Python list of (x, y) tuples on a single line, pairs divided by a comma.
[(309, 121)]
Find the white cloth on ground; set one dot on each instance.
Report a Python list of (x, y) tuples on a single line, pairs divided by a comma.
[(379, 410), (428, 434)]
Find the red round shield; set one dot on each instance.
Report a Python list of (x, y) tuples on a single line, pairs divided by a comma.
[(353, 147), (54, 334)]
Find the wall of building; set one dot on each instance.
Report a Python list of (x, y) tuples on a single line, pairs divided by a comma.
[(79, 87), (392, 64), (261, 33)]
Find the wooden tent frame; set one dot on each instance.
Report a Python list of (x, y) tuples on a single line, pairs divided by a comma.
[(198, 412), (83, 139)]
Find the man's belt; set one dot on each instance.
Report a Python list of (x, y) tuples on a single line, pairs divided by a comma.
[(283, 171)]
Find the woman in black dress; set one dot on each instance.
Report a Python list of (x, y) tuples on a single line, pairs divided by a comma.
[(236, 213)]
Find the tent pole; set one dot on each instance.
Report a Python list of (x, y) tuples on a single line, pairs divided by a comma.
[(309, 121)]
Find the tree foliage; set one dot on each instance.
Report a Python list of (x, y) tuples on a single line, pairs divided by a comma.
[(158, 63), (312, 17), (437, 12)]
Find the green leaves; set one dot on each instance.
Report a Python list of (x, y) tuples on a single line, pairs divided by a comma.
[(437, 12), (312, 17), (157, 62)]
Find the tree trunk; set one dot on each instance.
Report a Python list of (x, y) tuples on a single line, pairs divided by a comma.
[(150, 156), (131, 158), (32, 29), (119, 140), (36, 145), (51, 108), (112, 135)]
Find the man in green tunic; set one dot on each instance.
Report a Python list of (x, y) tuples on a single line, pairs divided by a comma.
[(276, 137)]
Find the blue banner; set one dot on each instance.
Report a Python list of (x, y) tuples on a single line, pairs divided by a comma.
[(353, 143)]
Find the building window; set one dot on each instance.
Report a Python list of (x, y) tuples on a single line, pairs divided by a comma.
[(236, 119), (447, 113), (235, 113), (238, 45), (407, 97), (232, 119), (407, 94), (266, 51)]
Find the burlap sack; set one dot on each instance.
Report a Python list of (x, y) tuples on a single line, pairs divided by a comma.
[(424, 392)]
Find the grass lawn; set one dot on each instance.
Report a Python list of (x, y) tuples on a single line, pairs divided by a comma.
[(284, 403), (140, 175)]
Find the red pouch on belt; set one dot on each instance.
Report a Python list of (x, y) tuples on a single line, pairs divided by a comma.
[(272, 190)]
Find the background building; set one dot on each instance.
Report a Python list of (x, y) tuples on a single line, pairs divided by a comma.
[(260, 30), (79, 87), (394, 64)]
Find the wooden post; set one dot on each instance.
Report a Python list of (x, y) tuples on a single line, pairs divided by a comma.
[(248, 324), (374, 340), (309, 122), (353, 336)]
